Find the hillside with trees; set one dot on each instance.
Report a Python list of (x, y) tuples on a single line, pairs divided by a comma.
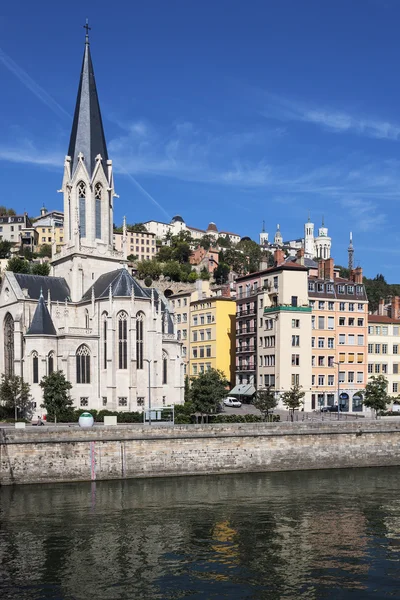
[(376, 288)]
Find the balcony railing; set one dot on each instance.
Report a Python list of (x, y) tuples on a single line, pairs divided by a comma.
[(287, 308), (245, 349), (245, 368), (246, 313), (245, 331)]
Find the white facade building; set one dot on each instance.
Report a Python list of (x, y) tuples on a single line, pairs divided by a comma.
[(90, 318)]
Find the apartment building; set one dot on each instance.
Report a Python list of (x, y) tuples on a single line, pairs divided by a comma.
[(212, 336), (141, 244), (177, 225), (274, 327), (11, 227), (339, 338), (384, 350), (284, 330)]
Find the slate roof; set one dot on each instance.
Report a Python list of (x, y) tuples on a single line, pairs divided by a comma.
[(308, 262), (87, 135), (35, 284), (42, 323), (121, 282)]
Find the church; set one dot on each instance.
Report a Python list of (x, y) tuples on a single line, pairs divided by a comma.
[(114, 340)]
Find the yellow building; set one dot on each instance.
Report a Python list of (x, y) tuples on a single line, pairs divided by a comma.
[(212, 336)]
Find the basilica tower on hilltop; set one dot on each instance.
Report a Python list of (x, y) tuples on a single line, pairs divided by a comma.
[(88, 189)]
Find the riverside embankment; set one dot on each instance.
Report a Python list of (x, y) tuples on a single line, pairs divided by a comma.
[(44, 455)]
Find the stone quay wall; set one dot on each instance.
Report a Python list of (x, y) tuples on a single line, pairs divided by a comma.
[(62, 454)]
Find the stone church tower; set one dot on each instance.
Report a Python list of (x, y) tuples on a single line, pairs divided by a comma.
[(88, 189)]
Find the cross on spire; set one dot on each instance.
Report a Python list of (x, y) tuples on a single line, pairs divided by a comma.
[(86, 26)]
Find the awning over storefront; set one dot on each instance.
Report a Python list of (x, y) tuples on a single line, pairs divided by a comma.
[(243, 389)]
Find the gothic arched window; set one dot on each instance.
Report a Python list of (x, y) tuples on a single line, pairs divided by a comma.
[(50, 363), (87, 321), (83, 364), (82, 208), (164, 367), (35, 367), (139, 340), (97, 199), (9, 345), (104, 316), (122, 340)]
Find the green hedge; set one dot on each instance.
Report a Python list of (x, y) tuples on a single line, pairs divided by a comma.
[(72, 416)]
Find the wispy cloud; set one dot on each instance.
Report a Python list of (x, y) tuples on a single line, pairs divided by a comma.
[(330, 119), (366, 215), (27, 153), (32, 85)]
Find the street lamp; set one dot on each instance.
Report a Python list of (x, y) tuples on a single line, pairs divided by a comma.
[(338, 389), (149, 361)]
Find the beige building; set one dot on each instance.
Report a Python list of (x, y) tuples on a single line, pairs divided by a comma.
[(141, 244), (384, 350), (284, 331)]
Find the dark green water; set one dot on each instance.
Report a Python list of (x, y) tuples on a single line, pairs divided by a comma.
[(327, 534)]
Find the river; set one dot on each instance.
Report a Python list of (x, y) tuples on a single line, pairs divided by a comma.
[(316, 534)]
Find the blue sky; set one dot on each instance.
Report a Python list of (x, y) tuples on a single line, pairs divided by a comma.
[(227, 111)]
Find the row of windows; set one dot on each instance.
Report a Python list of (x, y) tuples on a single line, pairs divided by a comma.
[(322, 361), (266, 380), (268, 360), (323, 305), (329, 322), (201, 306), (203, 319), (201, 352), (329, 287), (182, 317), (383, 368), (321, 342), (351, 357), (35, 365), (382, 348), (182, 335), (202, 335), (178, 302), (382, 329), (352, 339), (201, 368), (12, 228), (352, 377), (268, 341)]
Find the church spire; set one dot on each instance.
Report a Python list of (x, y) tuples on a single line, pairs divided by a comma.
[(87, 135), (350, 251)]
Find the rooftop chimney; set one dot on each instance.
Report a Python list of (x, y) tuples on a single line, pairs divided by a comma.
[(279, 257), (329, 269)]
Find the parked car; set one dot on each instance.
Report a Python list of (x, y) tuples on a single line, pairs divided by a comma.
[(231, 401), (333, 408)]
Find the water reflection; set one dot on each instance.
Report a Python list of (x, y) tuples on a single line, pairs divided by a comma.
[(331, 534)]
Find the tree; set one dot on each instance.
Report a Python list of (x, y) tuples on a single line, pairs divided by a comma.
[(132, 257), (18, 265), (207, 241), (192, 277), (148, 281), (164, 254), (172, 270), (265, 401), (376, 396), (205, 274), (137, 228), (221, 273), (27, 253), (40, 269), (56, 398), (5, 248), (45, 251), (15, 395), (148, 268), (181, 252), (187, 389), (224, 242), (293, 399), (207, 391)]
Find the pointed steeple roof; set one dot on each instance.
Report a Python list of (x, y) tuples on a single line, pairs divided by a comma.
[(87, 135), (42, 323)]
